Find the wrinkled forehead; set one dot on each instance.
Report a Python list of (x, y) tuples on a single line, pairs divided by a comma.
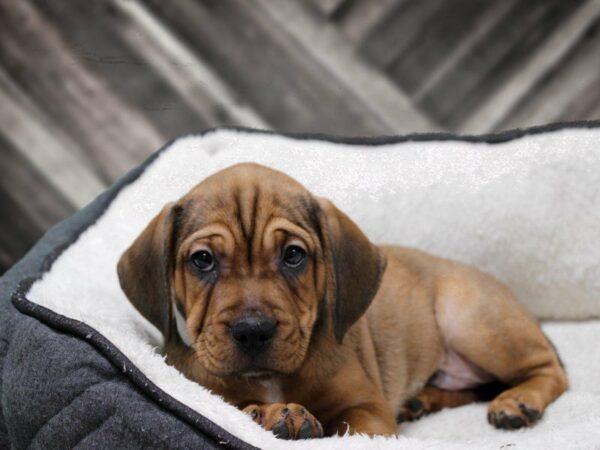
[(246, 201)]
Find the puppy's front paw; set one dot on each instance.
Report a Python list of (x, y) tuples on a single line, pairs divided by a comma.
[(291, 421), (513, 412)]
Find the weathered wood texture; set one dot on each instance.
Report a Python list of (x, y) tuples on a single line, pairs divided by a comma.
[(89, 89)]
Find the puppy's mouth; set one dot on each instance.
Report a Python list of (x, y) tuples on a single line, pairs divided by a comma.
[(256, 373)]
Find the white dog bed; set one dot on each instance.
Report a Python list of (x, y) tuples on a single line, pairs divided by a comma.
[(523, 206)]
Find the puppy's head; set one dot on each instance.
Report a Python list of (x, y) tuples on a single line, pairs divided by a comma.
[(245, 265)]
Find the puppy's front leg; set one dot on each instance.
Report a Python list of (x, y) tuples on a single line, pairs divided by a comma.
[(287, 421), (368, 418), (352, 403)]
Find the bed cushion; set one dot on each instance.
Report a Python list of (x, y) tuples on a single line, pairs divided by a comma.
[(80, 365)]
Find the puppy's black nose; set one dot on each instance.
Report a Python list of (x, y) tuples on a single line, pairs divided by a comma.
[(253, 334)]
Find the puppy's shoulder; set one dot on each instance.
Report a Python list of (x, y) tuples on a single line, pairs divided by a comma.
[(412, 260), (448, 277), (420, 261)]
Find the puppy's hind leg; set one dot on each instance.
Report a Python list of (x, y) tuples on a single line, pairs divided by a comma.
[(523, 404), (481, 321), (432, 399)]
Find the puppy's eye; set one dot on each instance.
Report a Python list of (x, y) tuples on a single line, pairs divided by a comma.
[(203, 260), (293, 256)]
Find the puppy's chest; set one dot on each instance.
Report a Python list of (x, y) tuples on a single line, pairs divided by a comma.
[(272, 391)]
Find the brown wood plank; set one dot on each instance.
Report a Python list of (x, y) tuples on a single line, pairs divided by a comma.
[(279, 78), (111, 132)]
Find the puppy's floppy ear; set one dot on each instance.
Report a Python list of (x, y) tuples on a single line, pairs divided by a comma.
[(355, 268), (146, 268)]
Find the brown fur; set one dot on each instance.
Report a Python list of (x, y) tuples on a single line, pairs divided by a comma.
[(361, 329)]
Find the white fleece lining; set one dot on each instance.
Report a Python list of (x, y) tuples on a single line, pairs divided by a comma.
[(527, 211)]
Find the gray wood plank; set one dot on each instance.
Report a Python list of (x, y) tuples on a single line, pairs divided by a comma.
[(495, 109), (29, 204), (329, 7), (196, 82), (280, 79), (52, 154), (569, 91), (17, 238), (380, 97), (93, 32), (487, 21), (131, 50), (111, 132), (40, 203), (495, 59), (359, 17), (393, 34), (440, 34)]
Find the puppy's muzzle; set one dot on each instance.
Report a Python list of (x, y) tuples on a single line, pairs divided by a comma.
[(252, 334)]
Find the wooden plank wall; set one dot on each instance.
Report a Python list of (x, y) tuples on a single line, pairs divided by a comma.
[(89, 89)]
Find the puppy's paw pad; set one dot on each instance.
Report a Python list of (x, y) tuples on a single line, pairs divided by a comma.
[(310, 429), (281, 430), (304, 424), (531, 413), (512, 414), (505, 421)]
